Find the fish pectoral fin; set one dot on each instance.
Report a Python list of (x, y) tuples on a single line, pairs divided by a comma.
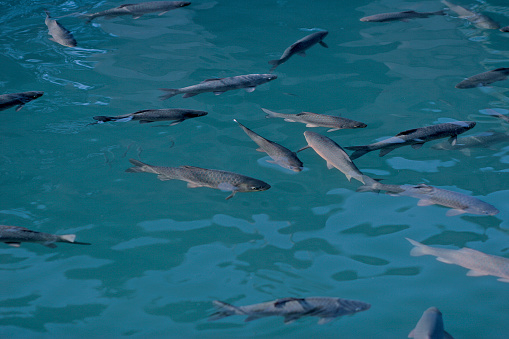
[(329, 165), (188, 95), (325, 320), (271, 161), (193, 185), (250, 89), (176, 122), (453, 140), (163, 177), (162, 13), (19, 107), (218, 92), (425, 202), (303, 148), (323, 44), (302, 53), (474, 273), (136, 16), (225, 186), (260, 150), (453, 212), (14, 244), (291, 318), (504, 280), (417, 145), (252, 317), (145, 121), (447, 335), (333, 129), (383, 152), (311, 125), (49, 244), (446, 261)]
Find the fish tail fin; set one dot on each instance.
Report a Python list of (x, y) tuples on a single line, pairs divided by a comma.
[(419, 248), (274, 64), (224, 310), (441, 12), (370, 185), (88, 17), (139, 167), (171, 92), (270, 114), (359, 151), (70, 238)]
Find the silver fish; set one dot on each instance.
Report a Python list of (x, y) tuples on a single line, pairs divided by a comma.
[(59, 33), (326, 308), (15, 235), (137, 10), (430, 326), (299, 47), (429, 195), (478, 263), (18, 99), (201, 177), (464, 144), (415, 137), (220, 85), (504, 29), (485, 78), (333, 154), (151, 115), (402, 16), (281, 155), (317, 120), (479, 20)]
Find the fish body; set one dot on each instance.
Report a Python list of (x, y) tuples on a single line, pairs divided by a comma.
[(59, 33), (137, 10), (334, 155), (18, 99), (326, 308), (317, 120), (479, 20), (202, 177), (464, 144), (478, 263), (300, 47), (281, 155), (220, 85), (483, 79), (403, 16), (15, 235), (415, 137), (430, 326), (152, 115)]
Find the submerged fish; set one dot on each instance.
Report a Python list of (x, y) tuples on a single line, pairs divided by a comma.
[(18, 99), (326, 308), (333, 154), (281, 155), (151, 115), (299, 47), (480, 20), (430, 195), (478, 263), (504, 29), (430, 326), (137, 10), (14, 236), (403, 16), (317, 120), (483, 79), (415, 137), (464, 144), (59, 33), (201, 177), (220, 85)]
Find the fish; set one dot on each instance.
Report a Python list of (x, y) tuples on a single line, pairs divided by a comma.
[(151, 115), (333, 154), (485, 78), (139, 9), (220, 85), (280, 154), (402, 16), (59, 33), (430, 326), (478, 263), (299, 47), (479, 20), (18, 99), (202, 177), (484, 139), (15, 235), (504, 29), (415, 137), (326, 308), (429, 195), (317, 120)]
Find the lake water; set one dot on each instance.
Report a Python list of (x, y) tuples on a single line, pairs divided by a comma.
[(161, 252)]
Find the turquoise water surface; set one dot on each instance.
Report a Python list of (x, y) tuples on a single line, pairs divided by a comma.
[(162, 252)]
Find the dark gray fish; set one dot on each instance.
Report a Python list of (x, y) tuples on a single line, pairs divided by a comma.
[(59, 33), (481, 140), (317, 120), (299, 47), (483, 79), (494, 113), (137, 10), (504, 29), (415, 137), (478, 263), (18, 99), (281, 155), (220, 85), (479, 20), (201, 177), (333, 154), (151, 115), (429, 195), (326, 308), (430, 326), (15, 235), (402, 16)]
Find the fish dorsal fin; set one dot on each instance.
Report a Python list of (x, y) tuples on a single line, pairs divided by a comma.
[(501, 69), (211, 79), (305, 113), (408, 12), (281, 302), (191, 167), (14, 244), (124, 5), (142, 111), (424, 187), (407, 132)]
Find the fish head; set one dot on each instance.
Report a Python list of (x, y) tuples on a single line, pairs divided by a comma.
[(182, 3), (35, 94), (253, 186), (484, 209), (194, 114), (359, 124), (322, 34), (465, 125), (269, 77), (366, 19)]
